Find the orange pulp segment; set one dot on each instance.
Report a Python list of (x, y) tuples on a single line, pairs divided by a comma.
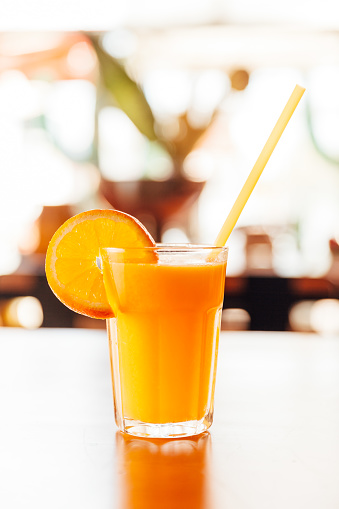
[(71, 260)]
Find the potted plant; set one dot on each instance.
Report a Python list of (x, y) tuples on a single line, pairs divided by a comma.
[(156, 202)]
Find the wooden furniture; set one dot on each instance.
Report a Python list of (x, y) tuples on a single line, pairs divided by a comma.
[(274, 442), (267, 299)]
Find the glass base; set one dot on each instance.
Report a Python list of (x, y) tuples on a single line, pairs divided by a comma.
[(169, 430)]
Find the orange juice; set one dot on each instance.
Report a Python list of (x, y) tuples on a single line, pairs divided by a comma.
[(164, 337)]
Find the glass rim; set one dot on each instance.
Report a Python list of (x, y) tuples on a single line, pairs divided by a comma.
[(170, 247)]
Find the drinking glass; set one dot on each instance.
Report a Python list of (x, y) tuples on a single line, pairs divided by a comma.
[(163, 341)]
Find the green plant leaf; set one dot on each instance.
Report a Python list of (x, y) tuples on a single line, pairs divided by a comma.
[(126, 92)]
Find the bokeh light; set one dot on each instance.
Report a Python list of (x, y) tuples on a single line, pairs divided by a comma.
[(23, 312)]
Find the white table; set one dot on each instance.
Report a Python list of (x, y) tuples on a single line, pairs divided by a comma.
[(274, 443)]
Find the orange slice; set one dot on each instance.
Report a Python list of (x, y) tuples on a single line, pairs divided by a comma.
[(71, 259)]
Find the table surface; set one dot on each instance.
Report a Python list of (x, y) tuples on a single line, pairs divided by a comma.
[(274, 442)]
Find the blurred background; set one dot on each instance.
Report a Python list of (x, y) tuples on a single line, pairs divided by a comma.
[(160, 110)]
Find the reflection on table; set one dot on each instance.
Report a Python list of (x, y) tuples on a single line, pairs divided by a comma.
[(164, 473)]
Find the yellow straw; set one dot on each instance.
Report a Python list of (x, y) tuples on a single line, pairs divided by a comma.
[(259, 166)]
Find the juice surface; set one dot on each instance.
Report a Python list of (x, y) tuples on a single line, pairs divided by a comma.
[(167, 331)]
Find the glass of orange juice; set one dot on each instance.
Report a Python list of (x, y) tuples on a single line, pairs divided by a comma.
[(163, 341)]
